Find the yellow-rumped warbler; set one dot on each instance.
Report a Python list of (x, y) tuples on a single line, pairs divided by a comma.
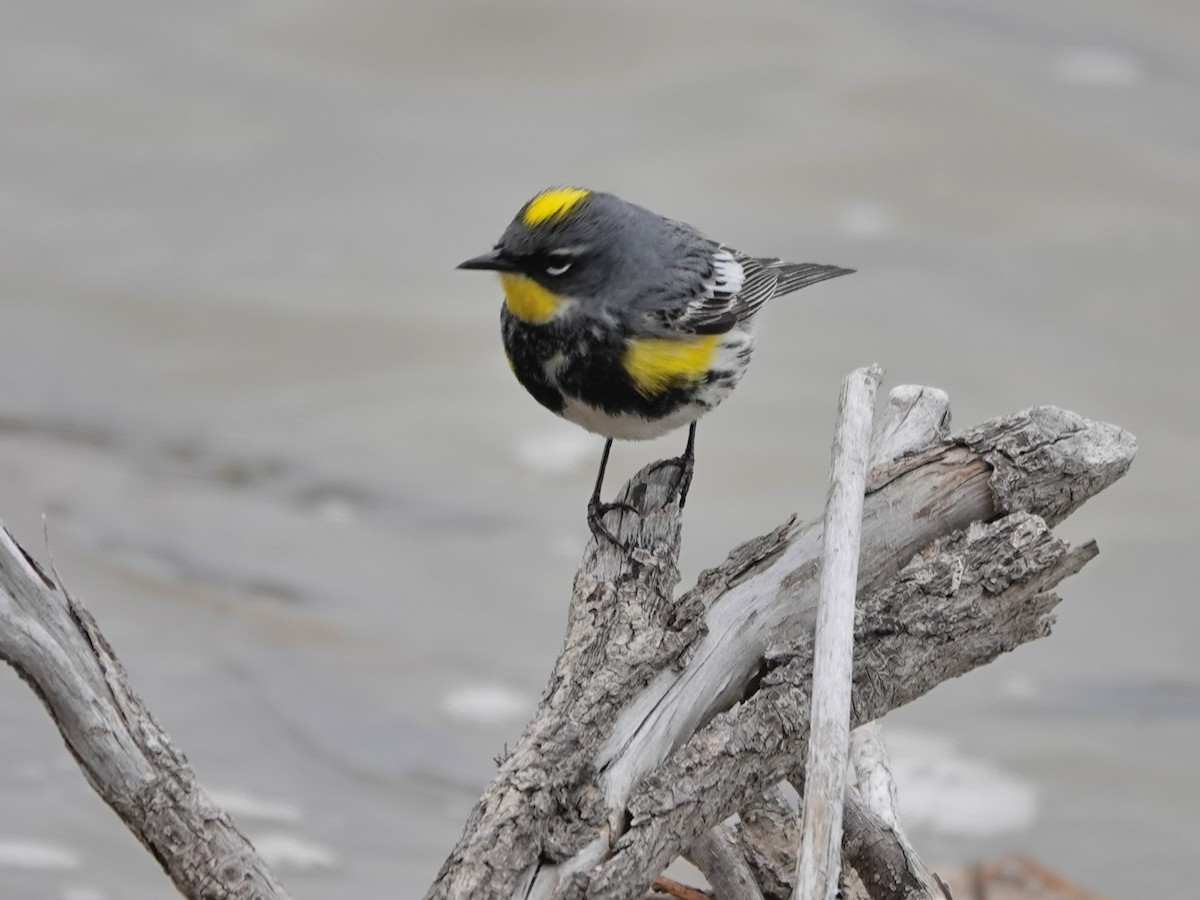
[(627, 323)]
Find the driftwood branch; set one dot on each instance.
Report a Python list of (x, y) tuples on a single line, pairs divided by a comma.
[(665, 716), (876, 865), (977, 595), (820, 859), (886, 866), (886, 862), (768, 834), (56, 647), (765, 838), (720, 857)]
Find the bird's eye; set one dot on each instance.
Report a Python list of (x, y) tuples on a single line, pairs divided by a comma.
[(558, 270)]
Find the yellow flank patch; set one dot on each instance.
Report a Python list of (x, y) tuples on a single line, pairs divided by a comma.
[(552, 204), (528, 300), (658, 364)]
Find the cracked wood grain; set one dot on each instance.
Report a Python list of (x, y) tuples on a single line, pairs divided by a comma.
[(665, 716), (54, 644), (913, 418), (971, 597)]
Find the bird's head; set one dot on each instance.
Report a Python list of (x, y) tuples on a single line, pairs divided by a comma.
[(572, 244)]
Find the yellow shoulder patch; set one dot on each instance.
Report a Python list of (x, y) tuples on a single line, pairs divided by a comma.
[(528, 300), (659, 364), (552, 204)]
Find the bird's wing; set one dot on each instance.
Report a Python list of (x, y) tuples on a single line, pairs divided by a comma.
[(736, 287)]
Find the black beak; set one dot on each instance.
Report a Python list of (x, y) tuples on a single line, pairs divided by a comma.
[(492, 260)]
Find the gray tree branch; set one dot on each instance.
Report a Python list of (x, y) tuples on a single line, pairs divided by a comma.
[(664, 717), (55, 646), (914, 418), (820, 858)]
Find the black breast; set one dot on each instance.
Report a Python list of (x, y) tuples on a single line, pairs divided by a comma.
[(579, 359), (529, 348)]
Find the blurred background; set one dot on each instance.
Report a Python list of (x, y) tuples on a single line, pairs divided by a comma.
[(282, 460)]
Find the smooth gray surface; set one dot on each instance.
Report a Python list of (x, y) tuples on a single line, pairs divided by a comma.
[(268, 421)]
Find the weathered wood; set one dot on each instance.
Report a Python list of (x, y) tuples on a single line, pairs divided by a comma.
[(872, 772), (622, 629), (975, 595), (55, 646), (768, 836), (878, 865), (663, 718), (915, 417), (889, 865), (719, 856), (884, 859), (820, 859)]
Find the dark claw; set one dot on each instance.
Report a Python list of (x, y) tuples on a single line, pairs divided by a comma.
[(684, 467), (595, 515), (597, 509)]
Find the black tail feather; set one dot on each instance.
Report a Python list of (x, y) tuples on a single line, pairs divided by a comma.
[(794, 276)]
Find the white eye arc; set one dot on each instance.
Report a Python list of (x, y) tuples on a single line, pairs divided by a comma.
[(558, 270)]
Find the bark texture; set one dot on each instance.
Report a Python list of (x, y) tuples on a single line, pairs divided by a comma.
[(719, 856), (665, 717), (55, 646), (974, 596)]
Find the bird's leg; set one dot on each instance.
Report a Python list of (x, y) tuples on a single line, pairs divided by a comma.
[(597, 509), (685, 465)]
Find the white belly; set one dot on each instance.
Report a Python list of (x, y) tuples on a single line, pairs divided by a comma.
[(627, 427), (733, 354)]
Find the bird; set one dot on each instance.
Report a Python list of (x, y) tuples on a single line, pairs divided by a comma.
[(627, 323)]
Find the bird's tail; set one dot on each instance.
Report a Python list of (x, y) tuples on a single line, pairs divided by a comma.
[(793, 276)]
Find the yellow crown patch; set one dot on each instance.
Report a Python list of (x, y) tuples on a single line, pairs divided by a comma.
[(552, 204)]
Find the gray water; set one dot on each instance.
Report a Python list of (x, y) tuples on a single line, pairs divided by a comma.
[(283, 462)]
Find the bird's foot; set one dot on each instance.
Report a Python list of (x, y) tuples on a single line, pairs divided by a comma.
[(684, 466), (595, 517)]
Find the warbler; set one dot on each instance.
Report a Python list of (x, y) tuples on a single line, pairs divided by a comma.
[(628, 323)]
